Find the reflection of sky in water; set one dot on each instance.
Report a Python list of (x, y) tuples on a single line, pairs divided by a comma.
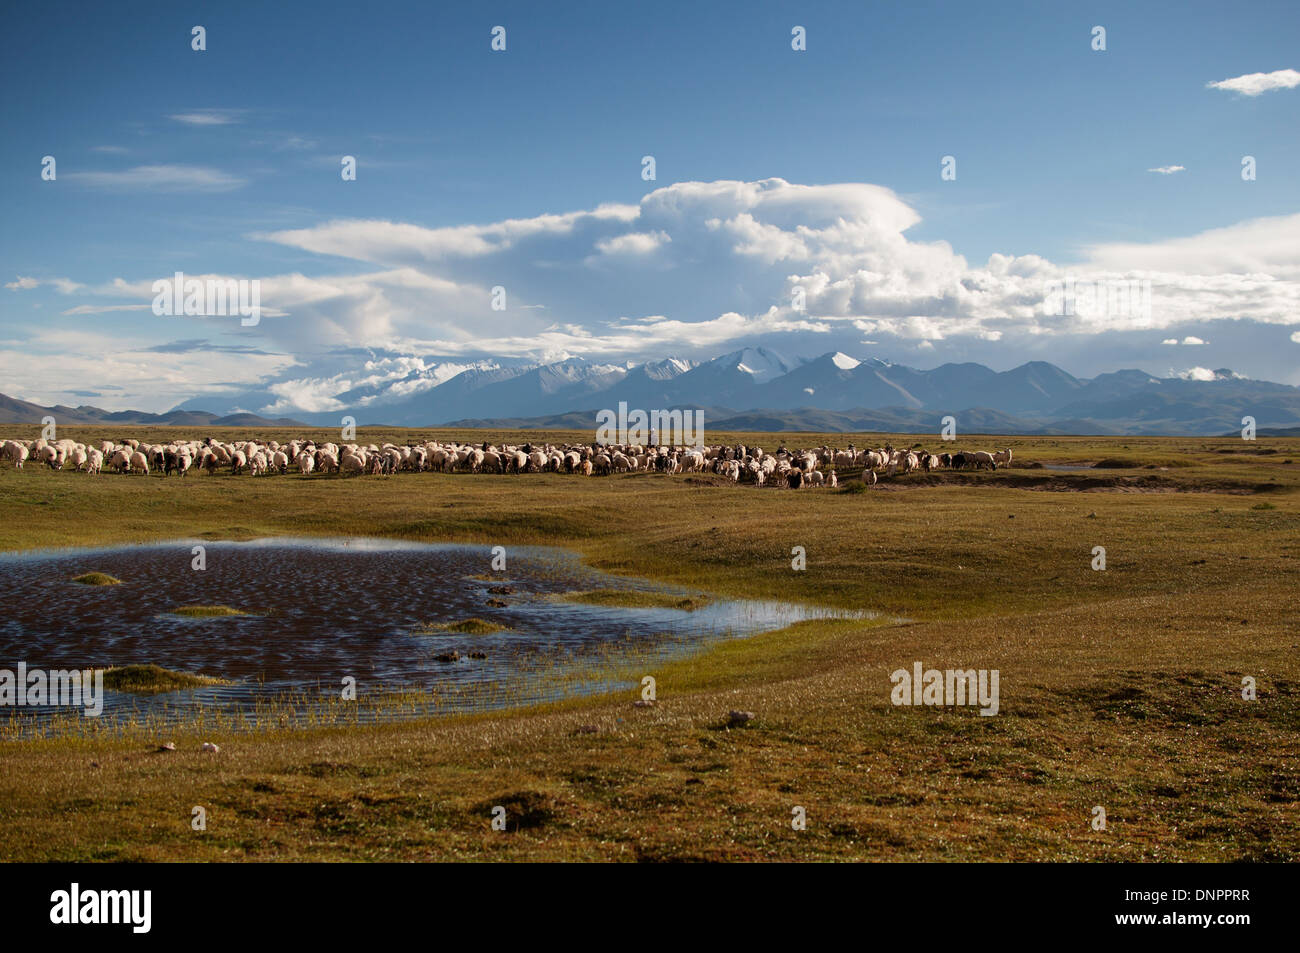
[(337, 607)]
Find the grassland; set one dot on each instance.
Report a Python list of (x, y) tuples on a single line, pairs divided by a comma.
[(1119, 688)]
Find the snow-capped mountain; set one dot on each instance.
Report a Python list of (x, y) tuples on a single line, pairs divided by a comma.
[(405, 391)]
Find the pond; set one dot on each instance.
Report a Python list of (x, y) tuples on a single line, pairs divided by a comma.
[(319, 611)]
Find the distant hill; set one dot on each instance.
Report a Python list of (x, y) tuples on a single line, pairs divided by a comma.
[(14, 411)]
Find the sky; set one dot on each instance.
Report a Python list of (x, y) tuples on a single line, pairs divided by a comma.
[(800, 199)]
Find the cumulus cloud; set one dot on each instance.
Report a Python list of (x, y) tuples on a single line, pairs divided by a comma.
[(695, 266), (1255, 84), (633, 243)]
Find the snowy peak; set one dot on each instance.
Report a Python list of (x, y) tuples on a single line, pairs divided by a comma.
[(667, 369), (761, 364)]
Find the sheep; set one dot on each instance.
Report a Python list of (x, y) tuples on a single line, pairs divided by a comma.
[(15, 452), (796, 468)]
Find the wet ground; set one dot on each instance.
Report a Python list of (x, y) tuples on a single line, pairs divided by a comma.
[(320, 611)]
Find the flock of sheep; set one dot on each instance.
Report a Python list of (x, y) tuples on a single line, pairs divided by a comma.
[(740, 464)]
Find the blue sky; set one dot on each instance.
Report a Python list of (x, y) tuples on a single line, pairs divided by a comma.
[(226, 162)]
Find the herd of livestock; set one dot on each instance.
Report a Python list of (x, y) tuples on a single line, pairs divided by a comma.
[(739, 464)]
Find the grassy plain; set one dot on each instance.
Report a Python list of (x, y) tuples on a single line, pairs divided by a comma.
[(1119, 688)]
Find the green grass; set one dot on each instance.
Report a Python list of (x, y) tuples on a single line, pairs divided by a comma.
[(1120, 688), (152, 679), (205, 612), (97, 579), (471, 626), (636, 599)]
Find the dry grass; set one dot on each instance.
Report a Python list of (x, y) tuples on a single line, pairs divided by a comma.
[(1120, 689)]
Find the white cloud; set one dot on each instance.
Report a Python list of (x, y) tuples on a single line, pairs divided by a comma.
[(103, 308), (163, 178), (124, 368), (1295, 336), (1254, 84), (208, 117), (633, 243), (1168, 169), (399, 243), (1192, 342), (1194, 374), (699, 265), (1172, 341), (21, 284)]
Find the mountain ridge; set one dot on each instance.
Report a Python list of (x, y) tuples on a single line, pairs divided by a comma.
[(759, 383)]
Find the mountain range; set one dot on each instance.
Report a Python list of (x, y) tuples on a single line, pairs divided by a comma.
[(755, 388)]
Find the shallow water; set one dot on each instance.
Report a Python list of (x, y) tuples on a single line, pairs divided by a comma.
[(330, 608)]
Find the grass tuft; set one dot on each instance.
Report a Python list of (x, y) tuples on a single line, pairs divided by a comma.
[(471, 626), (97, 579), (636, 599), (153, 679), (205, 612)]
